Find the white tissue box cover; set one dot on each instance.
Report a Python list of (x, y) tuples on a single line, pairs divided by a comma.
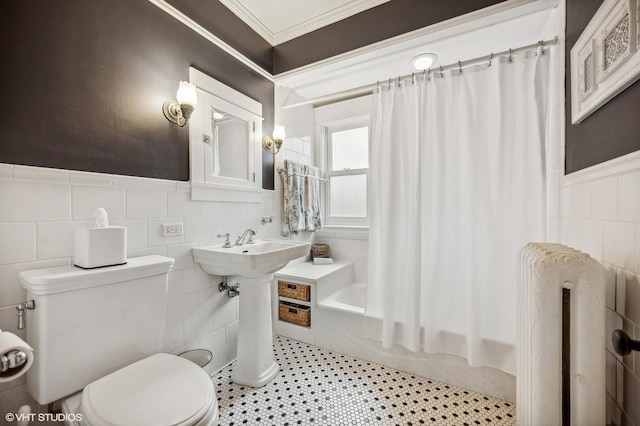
[(95, 247)]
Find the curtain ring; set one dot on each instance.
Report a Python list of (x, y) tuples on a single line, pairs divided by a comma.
[(377, 87), (490, 59), (459, 67), (398, 81), (413, 81), (541, 46), (441, 73), (389, 85), (428, 71), (510, 55)]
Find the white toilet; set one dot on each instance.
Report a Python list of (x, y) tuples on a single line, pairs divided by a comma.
[(97, 336)]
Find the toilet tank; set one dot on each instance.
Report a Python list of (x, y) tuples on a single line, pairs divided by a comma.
[(88, 323)]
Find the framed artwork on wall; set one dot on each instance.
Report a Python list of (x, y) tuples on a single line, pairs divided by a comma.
[(605, 60)]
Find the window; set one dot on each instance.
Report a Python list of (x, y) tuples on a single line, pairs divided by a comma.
[(347, 170)]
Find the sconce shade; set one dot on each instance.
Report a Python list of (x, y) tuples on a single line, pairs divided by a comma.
[(187, 94), (278, 133), (180, 111), (273, 145)]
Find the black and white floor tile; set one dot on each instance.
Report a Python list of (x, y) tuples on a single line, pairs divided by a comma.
[(318, 387)]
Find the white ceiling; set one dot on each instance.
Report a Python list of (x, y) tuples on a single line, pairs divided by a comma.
[(278, 21), (509, 24), (467, 39)]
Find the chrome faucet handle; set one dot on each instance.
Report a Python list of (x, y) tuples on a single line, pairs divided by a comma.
[(227, 243)]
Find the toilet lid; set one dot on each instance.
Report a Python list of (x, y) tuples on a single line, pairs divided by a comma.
[(161, 389)]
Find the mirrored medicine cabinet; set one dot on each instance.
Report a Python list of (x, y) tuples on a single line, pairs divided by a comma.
[(225, 132)]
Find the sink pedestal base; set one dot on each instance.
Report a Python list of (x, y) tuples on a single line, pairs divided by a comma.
[(255, 365)]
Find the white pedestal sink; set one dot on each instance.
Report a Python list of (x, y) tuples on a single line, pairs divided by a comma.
[(254, 264)]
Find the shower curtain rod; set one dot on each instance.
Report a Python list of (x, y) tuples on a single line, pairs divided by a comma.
[(368, 89)]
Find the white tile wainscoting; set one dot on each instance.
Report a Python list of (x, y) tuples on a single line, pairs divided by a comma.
[(41, 208), (601, 216)]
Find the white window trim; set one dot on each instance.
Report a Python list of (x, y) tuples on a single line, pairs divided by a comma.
[(344, 232), (333, 126)]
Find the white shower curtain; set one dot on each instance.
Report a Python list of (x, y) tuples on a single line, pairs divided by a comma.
[(459, 168)]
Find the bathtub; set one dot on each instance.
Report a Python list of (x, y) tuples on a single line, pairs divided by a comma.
[(350, 299), (340, 327)]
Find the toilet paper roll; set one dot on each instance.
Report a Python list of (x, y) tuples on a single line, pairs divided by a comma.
[(10, 342)]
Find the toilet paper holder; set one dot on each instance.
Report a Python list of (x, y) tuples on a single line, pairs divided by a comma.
[(16, 356), (12, 359)]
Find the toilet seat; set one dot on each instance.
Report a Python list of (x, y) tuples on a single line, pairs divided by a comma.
[(161, 389)]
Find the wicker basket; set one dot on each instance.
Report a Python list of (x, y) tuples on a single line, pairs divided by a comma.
[(294, 291), (295, 314), (319, 250)]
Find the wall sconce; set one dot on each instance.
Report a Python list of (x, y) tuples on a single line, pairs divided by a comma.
[(273, 145), (180, 111)]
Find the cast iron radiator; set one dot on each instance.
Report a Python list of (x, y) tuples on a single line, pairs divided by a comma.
[(561, 337)]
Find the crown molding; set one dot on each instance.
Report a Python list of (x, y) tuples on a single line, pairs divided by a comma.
[(184, 19), (506, 10), (274, 38)]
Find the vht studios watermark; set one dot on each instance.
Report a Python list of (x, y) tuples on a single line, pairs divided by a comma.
[(43, 417)]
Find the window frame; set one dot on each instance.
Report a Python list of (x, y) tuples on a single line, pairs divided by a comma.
[(328, 129)]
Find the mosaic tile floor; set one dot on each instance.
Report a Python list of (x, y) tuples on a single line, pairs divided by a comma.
[(318, 387)]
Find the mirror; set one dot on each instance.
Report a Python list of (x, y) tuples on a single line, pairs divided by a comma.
[(225, 132), (229, 145)]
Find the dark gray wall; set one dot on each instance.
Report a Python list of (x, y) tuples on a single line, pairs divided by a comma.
[(370, 26), (379, 23), (611, 131), (83, 81), (83, 84), (219, 20)]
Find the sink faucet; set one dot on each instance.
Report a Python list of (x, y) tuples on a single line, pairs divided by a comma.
[(241, 238)]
